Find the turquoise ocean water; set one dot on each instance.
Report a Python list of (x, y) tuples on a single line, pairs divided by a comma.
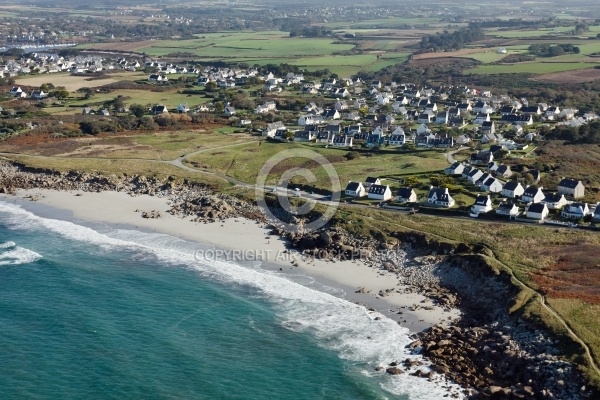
[(91, 312)]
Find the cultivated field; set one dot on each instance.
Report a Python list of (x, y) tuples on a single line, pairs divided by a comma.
[(570, 77), (529, 67), (73, 83)]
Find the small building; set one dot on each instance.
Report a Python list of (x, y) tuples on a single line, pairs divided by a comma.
[(555, 201), (503, 171), (455, 169), (342, 141), (406, 195), (355, 189), (575, 211), (380, 192), (482, 204), (372, 181), (440, 197), (304, 136), (160, 109), (492, 185), (537, 211), (532, 194), (474, 175), (508, 209), (482, 158), (571, 187), (272, 128)]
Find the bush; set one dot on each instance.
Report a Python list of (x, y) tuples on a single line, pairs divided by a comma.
[(352, 155)]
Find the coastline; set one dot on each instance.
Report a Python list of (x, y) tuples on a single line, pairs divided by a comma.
[(242, 240)]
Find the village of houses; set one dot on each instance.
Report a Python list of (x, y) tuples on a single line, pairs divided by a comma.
[(372, 115)]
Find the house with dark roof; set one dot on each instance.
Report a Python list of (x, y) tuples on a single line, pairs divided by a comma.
[(406, 195), (520, 119), (481, 118), (481, 158), (397, 140), (596, 214), (380, 192), (466, 171), (455, 169), (479, 181), (537, 211), (575, 211), (355, 189), (372, 181), (533, 110), (483, 204), (474, 175), (503, 171), (439, 197), (324, 137), (492, 185), (342, 141), (159, 109), (532, 194), (488, 127), (304, 136), (555, 201), (571, 187), (513, 189), (508, 209)]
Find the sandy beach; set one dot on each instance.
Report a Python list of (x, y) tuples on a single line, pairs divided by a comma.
[(250, 240)]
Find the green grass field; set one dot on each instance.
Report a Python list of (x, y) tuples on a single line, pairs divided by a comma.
[(244, 162)]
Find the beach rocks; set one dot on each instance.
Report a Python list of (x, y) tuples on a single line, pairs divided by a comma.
[(394, 371), (151, 214)]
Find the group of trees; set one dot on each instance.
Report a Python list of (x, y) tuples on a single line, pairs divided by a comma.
[(585, 134), (456, 40), (547, 50), (311, 31)]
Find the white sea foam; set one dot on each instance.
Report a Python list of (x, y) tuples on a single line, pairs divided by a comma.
[(349, 329), (16, 255)]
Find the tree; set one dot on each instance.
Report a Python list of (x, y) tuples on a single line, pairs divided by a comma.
[(147, 123), (138, 110), (46, 87), (210, 86), (219, 107), (60, 93), (118, 103)]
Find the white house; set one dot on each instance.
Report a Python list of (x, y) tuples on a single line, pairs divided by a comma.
[(537, 211), (455, 169), (555, 201), (492, 185), (355, 189), (576, 211), (406, 195), (440, 197), (571, 187), (508, 209), (512, 189), (372, 181), (532, 194), (380, 192), (482, 204)]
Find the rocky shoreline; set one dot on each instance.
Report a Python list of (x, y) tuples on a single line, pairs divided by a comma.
[(489, 352)]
